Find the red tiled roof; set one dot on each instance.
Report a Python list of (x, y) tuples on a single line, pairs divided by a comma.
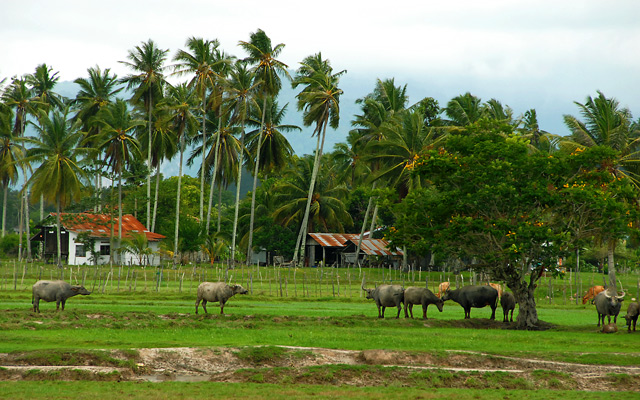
[(99, 226)]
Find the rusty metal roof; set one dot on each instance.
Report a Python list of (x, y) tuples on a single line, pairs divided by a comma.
[(98, 225), (368, 246)]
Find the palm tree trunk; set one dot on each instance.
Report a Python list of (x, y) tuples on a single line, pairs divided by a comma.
[(219, 208), (611, 265), (215, 170), (204, 157), (4, 208), (155, 203), (314, 175), (175, 234), (20, 227), (26, 223), (58, 228), (235, 217), (255, 182), (149, 163), (120, 217), (364, 225)]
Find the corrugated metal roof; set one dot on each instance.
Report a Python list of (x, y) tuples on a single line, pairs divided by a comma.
[(369, 246), (99, 225)]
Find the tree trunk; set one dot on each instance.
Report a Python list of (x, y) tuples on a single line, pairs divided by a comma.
[(235, 217), (175, 234), (155, 203), (120, 217), (27, 219), (219, 208), (300, 242), (255, 181), (611, 248), (364, 226), (4, 208), (524, 294), (58, 228), (149, 163), (216, 149), (204, 155)]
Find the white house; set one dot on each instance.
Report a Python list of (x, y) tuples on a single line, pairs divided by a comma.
[(98, 232)]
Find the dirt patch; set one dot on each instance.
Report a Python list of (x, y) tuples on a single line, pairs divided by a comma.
[(291, 365)]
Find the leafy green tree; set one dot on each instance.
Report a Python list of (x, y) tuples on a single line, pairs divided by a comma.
[(137, 244), (319, 100), (147, 81), (267, 71), (59, 178)]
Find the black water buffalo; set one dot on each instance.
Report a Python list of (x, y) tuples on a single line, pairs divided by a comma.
[(386, 296), (508, 303), (608, 304), (632, 315), (217, 291), (58, 291), (476, 296), (419, 295)]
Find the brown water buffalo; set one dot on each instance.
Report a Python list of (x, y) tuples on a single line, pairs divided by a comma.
[(386, 296), (497, 287), (423, 296), (476, 296), (58, 291), (508, 303), (632, 315), (217, 291), (592, 293)]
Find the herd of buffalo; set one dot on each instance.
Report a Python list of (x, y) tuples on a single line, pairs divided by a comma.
[(608, 303)]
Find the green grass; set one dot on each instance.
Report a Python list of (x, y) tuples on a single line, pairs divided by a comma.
[(177, 390)]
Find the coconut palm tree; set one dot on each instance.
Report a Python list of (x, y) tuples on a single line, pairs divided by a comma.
[(96, 92), (118, 144), (605, 123), (205, 61), (147, 81), (319, 100), (464, 110), (242, 91), (11, 154), (181, 103), (267, 72), (59, 178)]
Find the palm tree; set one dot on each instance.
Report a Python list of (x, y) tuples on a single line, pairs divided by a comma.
[(320, 101), (242, 90), (607, 124), (276, 151), (20, 97), (59, 178), (148, 83), (11, 154), (267, 72), (96, 92), (181, 103), (327, 212), (120, 147), (204, 61), (464, 110)]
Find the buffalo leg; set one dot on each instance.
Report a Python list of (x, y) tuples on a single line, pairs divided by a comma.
[(399, 309), (408, 309), (204, 305), (424, 311), (493, 313), (467, 313), (197, 304), (36, 304), (511, 315), (221, 307)]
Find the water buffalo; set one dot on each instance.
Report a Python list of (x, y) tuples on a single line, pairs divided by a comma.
[(386, 296), (58, 291), (419, 295), (608, 304), (476, 296), (217, 291), (508, 303), (591, 293), (632, 315)]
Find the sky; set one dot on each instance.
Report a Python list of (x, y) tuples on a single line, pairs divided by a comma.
[(539, 54)]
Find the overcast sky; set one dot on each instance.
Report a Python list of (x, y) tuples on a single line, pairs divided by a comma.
[(538, 54)]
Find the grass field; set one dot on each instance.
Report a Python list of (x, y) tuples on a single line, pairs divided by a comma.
[(309, 308)]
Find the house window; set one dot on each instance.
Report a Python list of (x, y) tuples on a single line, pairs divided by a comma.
[(105, 249), (80, 251)]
